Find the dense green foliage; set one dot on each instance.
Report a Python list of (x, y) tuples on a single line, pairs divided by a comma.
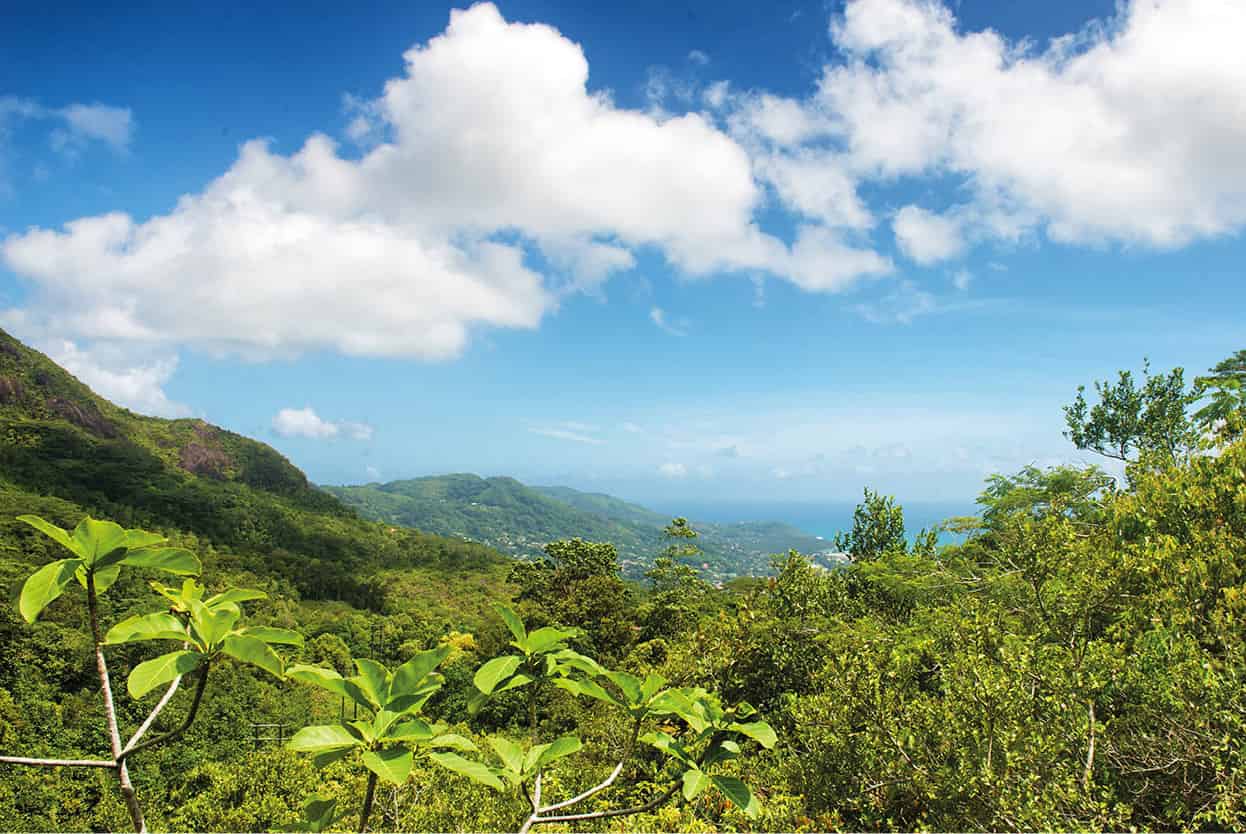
[(521, 520), (1076, 661)]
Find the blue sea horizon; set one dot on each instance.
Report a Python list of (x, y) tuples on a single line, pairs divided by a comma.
[(823, 519)]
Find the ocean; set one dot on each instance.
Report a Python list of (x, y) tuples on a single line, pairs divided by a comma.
[(820, 519)]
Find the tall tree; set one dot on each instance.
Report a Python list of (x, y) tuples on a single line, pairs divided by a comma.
[(1131, 420)]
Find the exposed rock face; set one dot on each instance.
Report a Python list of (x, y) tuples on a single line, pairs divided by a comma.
[(11, 390), (199, 459), (86, 416)]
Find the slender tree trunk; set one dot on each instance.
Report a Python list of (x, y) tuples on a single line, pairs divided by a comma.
[(110, 713), (367, 802)]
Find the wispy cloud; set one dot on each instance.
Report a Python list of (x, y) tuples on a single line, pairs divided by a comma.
[(75, 125), (908, 302), (567, 434), (658, 316)]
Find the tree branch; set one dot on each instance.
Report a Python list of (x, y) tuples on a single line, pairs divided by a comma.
[(615, 812), (598, 788), (22, 760), (1090, 753), (110, 712), (200, 686), (160, 705)]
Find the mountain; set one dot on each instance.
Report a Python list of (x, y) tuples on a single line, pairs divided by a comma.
[(66, 452), (499, 512), (519, 519), (604, 505)]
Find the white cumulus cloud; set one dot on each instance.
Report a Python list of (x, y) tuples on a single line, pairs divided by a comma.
[(1133, 130), (116, 377), (926, 237), (491, 143), (305, 422)]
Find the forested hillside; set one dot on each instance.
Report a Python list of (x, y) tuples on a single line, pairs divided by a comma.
[(520, 520), (1076, 663)]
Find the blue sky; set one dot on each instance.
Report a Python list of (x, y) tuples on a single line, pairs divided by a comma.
[(673, 251)]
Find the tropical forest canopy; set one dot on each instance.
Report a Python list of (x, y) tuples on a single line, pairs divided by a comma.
[(1075, 660)]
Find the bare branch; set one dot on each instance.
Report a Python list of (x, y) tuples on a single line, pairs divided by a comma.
[(110, 712), (22, 760), (200, 686), (160, 705), (657, 801), (601, 786)]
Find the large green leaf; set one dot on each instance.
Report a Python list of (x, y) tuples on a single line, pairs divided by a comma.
[(475, 702), (373, 679), (669, 746), (45, 585), (410, 730), (330, 680), (160, 670), (382, 721), (159, 626), (512, 622), (759, 731), (545, 639), (585, 687), (514, 683), (509, 752), (575, 660), (319, 812), (327, 757), (629, 685), (212, 625), (721, 752), (671, 701), (97, 538), (173, 560), (322, 737), (488, 676), (453, 741), (694, 782), (135, 539), (681, 703), (392, 764), (109, 559), (53, 532), (555, 750), (411, 674), (253, 651), (738, 793), (653, 682), (414, 701), (269, 634), (104, 575), (179, 597), (475, 771), (234, 595)]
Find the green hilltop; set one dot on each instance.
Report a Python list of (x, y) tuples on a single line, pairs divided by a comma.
[(519, 519), (66, 452)]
